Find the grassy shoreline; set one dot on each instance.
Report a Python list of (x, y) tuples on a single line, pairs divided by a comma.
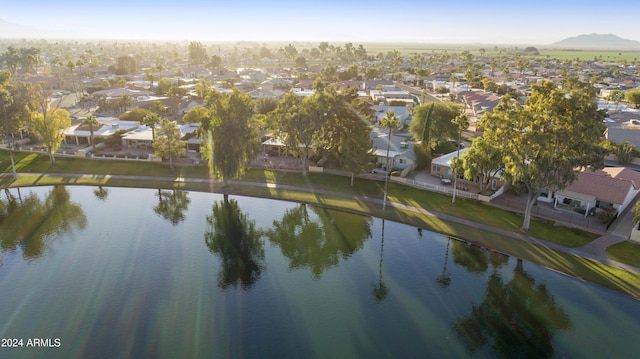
[(336, 192)]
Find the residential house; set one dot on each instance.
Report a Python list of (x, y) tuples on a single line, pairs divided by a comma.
[(373, 84), (80, 134), (479, 101), (441, 166), (400, 154), (402, 112), (611, 187), (266, 93), (389, 95), (628, 131)]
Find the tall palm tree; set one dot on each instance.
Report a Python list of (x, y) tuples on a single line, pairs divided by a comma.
[(390, 121), (462, 122), (151, 120), (91, 121), (123, 102)]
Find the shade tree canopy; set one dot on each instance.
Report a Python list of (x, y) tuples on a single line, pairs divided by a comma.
[(545, 143), (229, 136)]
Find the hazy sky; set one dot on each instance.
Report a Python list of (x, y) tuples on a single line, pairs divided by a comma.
[(462, 21)]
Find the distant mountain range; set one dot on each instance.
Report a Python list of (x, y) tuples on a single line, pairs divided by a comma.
[(10, 30), (599, 41)]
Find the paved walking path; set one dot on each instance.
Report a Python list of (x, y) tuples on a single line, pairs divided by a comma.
[(594, 250)]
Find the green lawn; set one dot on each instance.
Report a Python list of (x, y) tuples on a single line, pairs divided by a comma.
[(341, 197), (626, 252)]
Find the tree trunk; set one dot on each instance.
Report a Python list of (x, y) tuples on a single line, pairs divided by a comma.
[(304, 160), (13, 163), (53, 159), (531, 200), (352, 179)]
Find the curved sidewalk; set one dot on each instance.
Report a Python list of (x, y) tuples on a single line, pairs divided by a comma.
[(594, 250)]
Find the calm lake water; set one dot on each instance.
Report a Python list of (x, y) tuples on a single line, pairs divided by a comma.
[(136, 273)]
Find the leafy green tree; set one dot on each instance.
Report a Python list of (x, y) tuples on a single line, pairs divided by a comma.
[(298, 121), (301, 62), (164, 86), (49, 126), (264, 105), (616, 96), (215, 62), (91, 121), (136, 114), (633, 96), (169, 142), (441, 128), (203, 87), (196, 114), (291, 51), (482, 159), (626, 153), (197, 53), (235, 239), (125, 65), (344, 132), (489, 85), (230, 139), (350, 73), (372, 73), (6, 99), (545, 143), (329, 72)]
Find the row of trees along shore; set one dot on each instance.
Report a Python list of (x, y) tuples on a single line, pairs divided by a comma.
[(540, 144)]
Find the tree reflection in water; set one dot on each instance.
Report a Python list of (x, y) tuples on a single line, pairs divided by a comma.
[(517, 319), (444, 279), (101, 193), (172, 205), (380, 290), (319, 244), (235, 239), (28, 222)]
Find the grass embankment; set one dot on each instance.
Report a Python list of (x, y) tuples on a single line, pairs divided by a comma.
[(350, 198)]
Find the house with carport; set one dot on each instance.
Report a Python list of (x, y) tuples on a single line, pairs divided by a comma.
[(592, 191), (80, 134)]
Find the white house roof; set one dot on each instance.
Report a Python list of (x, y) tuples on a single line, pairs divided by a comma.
[(122, 91), (142, 133), (188, 128), (106, 127), (398, 146), (445, 160)]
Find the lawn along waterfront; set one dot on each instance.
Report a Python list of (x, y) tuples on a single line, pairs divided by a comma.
[(476, 222)]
